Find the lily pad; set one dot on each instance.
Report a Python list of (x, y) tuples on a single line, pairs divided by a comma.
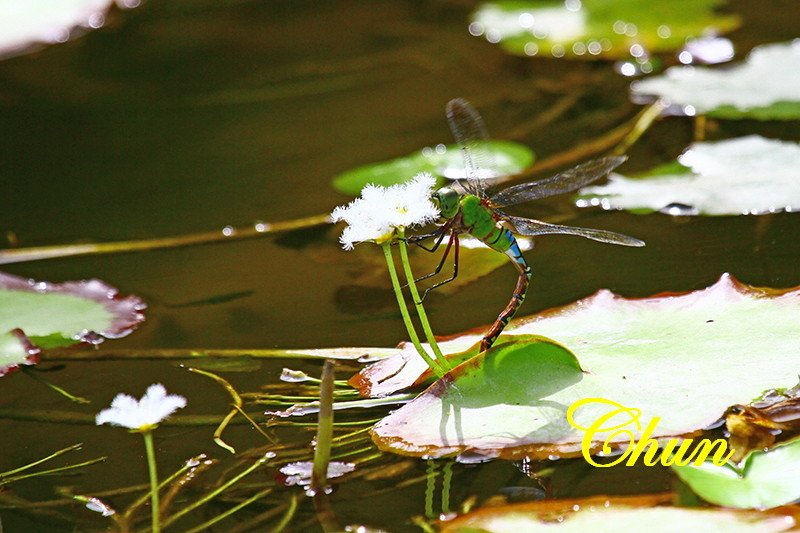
[(614, 514), (16, 350), (747, 175), (654, 354), (597, 29), (442, 161), (765, 480), (40, 314), (764, 87)]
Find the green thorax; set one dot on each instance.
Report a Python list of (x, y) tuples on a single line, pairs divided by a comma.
[(478, 220)]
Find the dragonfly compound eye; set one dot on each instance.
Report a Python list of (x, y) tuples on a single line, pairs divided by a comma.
[(446, 200)]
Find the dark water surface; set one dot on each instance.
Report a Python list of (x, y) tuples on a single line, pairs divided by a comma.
[(188, 115)]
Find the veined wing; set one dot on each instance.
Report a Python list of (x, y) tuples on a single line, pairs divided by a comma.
[(470, 133), (566, 181), (529, 226)]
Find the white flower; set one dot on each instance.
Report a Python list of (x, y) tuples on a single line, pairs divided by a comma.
[(144, 414), (381, 210)]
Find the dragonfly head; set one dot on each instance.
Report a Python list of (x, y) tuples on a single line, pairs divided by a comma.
[(446, 200)]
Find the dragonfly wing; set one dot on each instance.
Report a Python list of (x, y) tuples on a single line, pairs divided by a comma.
[(529, 226), (470, 133), (566, 181)]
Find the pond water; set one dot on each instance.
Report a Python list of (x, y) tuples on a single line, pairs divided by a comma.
[(190, 115)]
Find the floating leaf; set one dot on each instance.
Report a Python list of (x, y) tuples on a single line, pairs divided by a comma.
[(765, 480), (764, 87), (442, 161), (747, 175), (655, 354), (299, 473), (592, 29), (614, 514), (53, 315), (16, 350)]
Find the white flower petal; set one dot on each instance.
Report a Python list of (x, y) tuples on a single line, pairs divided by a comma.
[(381, 210), (155, 406)]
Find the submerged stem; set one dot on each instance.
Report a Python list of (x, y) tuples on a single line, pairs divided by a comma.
[(151, 468), (71, 397), (412, 333), (40, 461), (259, 229), (423, 317), (219, 490)]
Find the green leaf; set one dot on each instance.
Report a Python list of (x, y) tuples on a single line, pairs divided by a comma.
[(597, 29), (614, 514), (443, 161), (768, 479), (763, 87), (654, 354), (743, 176), (51, 315)]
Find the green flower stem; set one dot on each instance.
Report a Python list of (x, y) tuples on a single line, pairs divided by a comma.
[(387, 252), (151, 468), (423, 317)]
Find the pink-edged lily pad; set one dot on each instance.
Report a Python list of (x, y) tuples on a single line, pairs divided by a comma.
[(600, 514), (40, 315), (683, 358)]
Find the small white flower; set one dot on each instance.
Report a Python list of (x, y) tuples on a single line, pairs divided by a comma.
[(381, 210), (144, 414)]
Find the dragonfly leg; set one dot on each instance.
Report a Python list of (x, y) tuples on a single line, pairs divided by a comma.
[(441, 263), (440, 233), (516, 300), (453, 240)]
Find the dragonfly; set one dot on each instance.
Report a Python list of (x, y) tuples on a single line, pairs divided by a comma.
[(468, 208)]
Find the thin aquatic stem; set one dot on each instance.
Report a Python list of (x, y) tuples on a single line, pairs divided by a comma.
[(287, 516), (67, 417), (641, 124), (447, 480), (322, 452), (138, 502), (105, 354), (71, 397), (430, 488), (322, 448), (59, 470), (259, 229), (423, 317), (42, 460), (236, 407), (151, 469), (222, 516), (219, 490), (412, 333)]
